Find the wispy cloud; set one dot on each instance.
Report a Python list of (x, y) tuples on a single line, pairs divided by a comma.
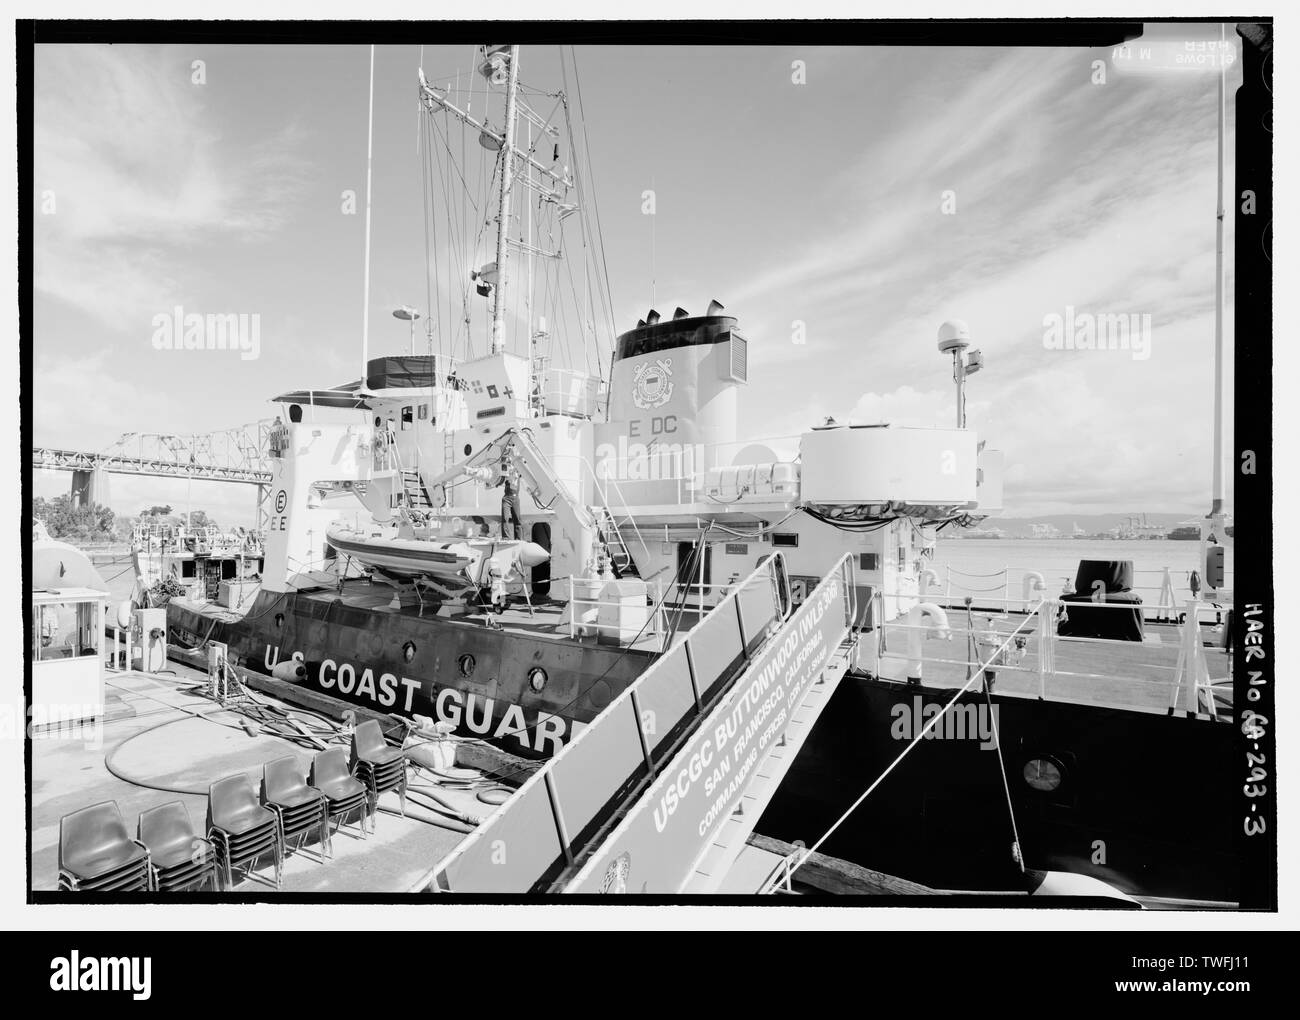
[(132, 178), (1066, 193)]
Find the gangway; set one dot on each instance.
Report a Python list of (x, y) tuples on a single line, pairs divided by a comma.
[(659, 793)]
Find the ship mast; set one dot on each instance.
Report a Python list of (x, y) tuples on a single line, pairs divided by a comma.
[(503, 206), (550, 183)]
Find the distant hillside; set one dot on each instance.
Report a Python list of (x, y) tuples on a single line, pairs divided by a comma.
[(1090, 523)]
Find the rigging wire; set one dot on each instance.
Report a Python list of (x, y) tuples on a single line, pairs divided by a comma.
[(430, 228), (454, 244), (607, 297)]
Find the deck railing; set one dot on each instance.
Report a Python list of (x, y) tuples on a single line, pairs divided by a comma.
[(1164, 674), (1163, 589)]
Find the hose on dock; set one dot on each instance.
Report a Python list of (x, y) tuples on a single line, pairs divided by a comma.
[(428, 819), (254, 723), (262, 717), (127, 777)]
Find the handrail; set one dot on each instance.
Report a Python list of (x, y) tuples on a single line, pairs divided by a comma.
[(565, 805), (1047, 640), (1166, 592), (669, 848)]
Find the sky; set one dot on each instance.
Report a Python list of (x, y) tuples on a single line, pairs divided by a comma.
[(888, 191)]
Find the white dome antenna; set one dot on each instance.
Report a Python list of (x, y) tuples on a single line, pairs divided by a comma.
[(954, 336)]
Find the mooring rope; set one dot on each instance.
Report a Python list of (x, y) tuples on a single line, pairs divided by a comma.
[(807, 854)]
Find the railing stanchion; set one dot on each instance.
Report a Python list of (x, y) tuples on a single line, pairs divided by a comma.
[(1044, 649)]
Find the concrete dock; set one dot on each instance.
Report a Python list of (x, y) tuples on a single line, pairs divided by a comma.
[(152, 735)]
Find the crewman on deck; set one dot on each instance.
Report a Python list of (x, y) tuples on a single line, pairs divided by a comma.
[(512, 526)]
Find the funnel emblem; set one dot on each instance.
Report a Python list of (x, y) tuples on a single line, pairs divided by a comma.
[(652, 384)]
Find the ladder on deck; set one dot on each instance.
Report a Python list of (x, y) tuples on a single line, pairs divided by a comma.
[(620, 555), (660, 791), (414, 492), (448, 459)]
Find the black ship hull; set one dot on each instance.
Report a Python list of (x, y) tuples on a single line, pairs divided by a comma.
[(1140, 802), (526, 693)]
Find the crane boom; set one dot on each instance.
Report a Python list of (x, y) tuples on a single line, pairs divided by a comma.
[(577, 527)]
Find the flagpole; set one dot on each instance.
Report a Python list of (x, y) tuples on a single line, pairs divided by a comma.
[(1216, 507), (365, 297)]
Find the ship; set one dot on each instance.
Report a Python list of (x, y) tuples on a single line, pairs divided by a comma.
[(392, 578)]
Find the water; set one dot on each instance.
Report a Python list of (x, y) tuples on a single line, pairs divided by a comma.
[(118, 572), (967, 564)]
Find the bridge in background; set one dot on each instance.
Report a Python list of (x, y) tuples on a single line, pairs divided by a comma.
[(239, 454)]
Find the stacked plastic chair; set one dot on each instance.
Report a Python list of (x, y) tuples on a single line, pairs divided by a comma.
[(379, 766), (298, 808), (241, 829), (344, 795), (96, 854), (179, 859)]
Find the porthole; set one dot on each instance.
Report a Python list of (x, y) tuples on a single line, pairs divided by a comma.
[(468, 449), (279, 620), (466, 665), (1042, 774), (408, 651), (537, 679)]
